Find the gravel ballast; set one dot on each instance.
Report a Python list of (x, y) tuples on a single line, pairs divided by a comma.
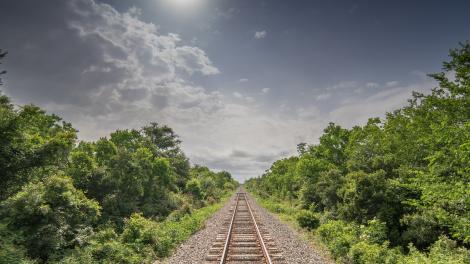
[(195, 249), (295, 249)]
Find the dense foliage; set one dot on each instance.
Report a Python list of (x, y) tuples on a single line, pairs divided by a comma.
[(394, 190), (129, 198)]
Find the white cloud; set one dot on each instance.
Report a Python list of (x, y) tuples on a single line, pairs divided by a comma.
[(324, 96), (147, 60), (343, 85), (260, 34), (357, 111), (243, 97), (238, 95), (372, 85), (391, 84), (358, 90), (243, 80), (308, 113), (133, 75), (265, 90), (420, 74)]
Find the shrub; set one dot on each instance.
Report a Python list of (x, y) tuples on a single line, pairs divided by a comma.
[(422, 229), (105, 252), (371, 253), (338, 236), (443, 251), (135, 245), (307, 219), (364, 196), (139, 231), (184, 209), (374, 232), (10, 251), (51, 215), (193, 187)]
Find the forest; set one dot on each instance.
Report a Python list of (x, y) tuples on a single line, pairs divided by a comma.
[(131, 197), (395, 190)]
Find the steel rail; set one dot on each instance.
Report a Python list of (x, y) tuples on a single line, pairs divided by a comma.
[(260, 237), (229, 233)]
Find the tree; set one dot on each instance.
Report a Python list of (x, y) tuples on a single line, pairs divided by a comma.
[(409, 171), (51, 215), (33, 144), (363, 196), (326, 190), (332, 145), (443, 120), (163, 137), (166, 143), (3, 54), (193, 187)]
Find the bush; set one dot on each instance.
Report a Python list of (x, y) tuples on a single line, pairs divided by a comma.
[(193, 187), (443, 251), (338, 236), (10, 251), (184, 209), (370, 253), (422, 229), (364, 196), (307, 219), (51, 216), (348, 244), (374, 232), (105, 248)]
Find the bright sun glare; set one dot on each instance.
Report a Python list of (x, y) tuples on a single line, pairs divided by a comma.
[(184, 7), (184, 3)]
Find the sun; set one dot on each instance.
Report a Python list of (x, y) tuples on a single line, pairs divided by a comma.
[(184, 3), (185, 8)]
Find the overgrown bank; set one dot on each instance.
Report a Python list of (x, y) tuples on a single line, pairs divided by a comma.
[(393, 191), (131, 197)]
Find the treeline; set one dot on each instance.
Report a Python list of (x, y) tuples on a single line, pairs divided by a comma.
[(394, 190), (127, 198)]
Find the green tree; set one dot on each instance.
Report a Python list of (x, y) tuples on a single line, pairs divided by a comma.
[(3, 54), (137, 181), (403, 179), (443, 118), (332, 145), (50, 216), (167, 144), (33, 144), (326, 190), (193, 187)]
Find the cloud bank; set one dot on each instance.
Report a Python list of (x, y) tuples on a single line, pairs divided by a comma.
[(108, 69)]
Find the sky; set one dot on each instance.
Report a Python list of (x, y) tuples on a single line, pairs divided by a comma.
[(242, 82)]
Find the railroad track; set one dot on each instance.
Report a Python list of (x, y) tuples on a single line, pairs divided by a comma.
[(243, 239)]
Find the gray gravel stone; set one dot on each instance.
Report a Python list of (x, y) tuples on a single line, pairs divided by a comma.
[(195, 249), (294, 248)]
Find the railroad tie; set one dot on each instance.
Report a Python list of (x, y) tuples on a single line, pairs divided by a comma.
[(243, 239)]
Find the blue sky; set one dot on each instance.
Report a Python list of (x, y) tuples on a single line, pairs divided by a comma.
[(242, 82)]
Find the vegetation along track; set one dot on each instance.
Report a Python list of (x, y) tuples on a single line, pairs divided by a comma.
[(243, 239)]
